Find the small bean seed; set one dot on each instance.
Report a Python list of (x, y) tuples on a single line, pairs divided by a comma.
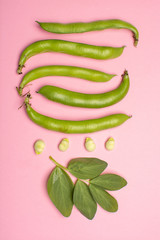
[(110, 144), (90, 145), (64, 144), (39, 146)]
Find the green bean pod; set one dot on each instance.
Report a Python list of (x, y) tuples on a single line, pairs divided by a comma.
[(72, 48), (67, 126), (84, 100), (60, 70), (81, 27)]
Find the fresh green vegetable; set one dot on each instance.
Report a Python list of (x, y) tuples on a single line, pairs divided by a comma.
[(60, 191), (80, 27), (72, 48), (103, 198), (84, 196), (86, 168), (83, 200), (66, 126), (64, 145), (68, 71), (110, 143), (84, 100), (39, 146), (109, 182), (89, 144)]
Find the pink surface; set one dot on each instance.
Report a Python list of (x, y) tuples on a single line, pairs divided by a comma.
[(26, 211)]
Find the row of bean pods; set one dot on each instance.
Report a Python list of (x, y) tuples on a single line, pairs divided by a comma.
[(71, 98)]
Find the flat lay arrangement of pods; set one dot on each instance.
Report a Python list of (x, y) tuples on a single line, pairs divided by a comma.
[(90, 187)]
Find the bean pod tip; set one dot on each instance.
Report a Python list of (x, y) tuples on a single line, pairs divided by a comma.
[(26, 100), (125, 73), (135, 41), (38, 23), (19, 70)]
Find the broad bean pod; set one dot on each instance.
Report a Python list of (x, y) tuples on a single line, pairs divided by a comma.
[(61, 70), (72, 48), (81, 27), (67, 126), (84, 100)]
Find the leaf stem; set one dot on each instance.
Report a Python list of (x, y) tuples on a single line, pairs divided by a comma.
[(86, 180), (57, 164)]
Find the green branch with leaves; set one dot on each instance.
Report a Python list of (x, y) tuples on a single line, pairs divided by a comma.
[(64, 194)]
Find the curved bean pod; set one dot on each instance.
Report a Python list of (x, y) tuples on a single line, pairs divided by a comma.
[(87, 100), (60, 70), (80, 27), (67, 126), (72, 48)]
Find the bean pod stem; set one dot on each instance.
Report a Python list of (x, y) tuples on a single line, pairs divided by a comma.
[(72, 48), (81, 27), (62, 70), (84, 100), (67, 126)]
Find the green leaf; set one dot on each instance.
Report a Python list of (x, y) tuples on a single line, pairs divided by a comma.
[(86, 168), (60, 190), (103, 198), (83, 200), (109, 182)]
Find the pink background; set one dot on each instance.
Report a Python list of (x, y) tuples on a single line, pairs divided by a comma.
[(26, 211)]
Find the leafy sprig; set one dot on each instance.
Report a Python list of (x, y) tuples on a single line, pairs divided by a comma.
[(64, 194)]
